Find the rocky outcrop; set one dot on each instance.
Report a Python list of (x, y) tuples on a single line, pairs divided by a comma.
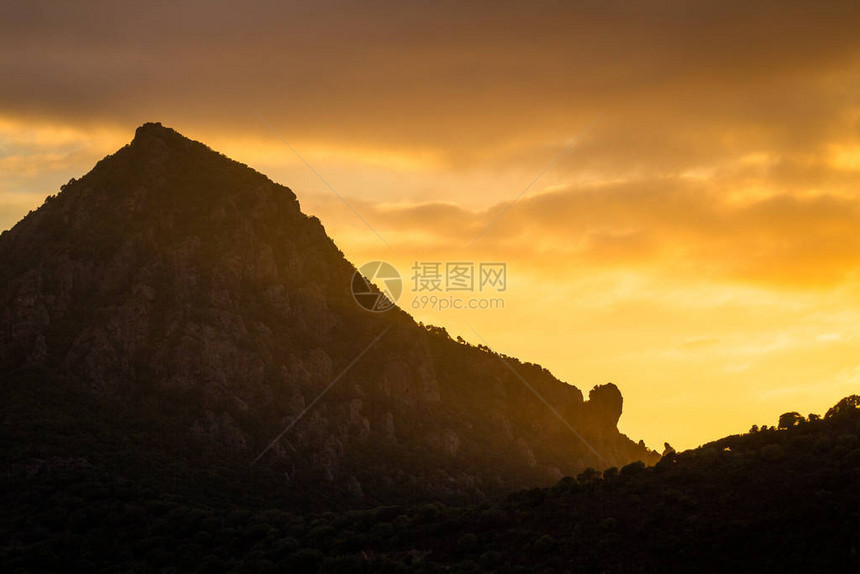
[(604, 406)]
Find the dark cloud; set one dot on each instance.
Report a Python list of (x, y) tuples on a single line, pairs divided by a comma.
[(675, 77)]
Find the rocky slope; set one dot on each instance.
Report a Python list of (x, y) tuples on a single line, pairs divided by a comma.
[(190, 292)]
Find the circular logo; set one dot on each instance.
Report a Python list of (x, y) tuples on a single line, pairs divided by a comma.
[(376, 286)]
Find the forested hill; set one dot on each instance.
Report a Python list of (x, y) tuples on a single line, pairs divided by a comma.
[(778, 499)]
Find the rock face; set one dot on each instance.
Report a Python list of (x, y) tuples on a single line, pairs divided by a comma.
[(171, 271), (604, 406)]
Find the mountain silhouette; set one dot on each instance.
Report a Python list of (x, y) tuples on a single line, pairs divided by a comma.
[(173, 311)]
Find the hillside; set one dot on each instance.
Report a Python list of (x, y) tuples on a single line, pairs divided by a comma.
[(773, 500)]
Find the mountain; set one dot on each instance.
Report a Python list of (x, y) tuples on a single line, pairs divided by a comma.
[(169, 314)]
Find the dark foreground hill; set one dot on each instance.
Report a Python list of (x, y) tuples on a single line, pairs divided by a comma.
[(774, 500), (171, 312)]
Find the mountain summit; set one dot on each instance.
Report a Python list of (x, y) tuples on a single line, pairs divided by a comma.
[(175, 308)]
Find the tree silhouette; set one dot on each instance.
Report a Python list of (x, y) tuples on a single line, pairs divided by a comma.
[(789, 420), (847, 405)]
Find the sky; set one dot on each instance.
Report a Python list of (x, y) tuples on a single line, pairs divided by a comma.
[(672, 186)]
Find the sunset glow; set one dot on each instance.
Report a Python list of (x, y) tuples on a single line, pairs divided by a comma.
[(698, 246)]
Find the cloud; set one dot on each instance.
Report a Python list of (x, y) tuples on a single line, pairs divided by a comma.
[(36, 158), (673, 226), (680, 82)]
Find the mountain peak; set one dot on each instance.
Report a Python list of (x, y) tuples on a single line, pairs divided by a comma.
[(164, 161), (154, 130), (156, 137)]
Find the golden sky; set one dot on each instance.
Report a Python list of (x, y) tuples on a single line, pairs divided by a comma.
[(698, 246)]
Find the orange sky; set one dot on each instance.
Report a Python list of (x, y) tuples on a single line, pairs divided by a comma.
[(698, 246)]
